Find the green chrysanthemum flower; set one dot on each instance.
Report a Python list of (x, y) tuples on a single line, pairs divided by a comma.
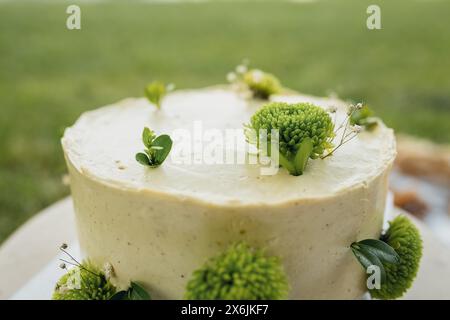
[(240, 273), (262, 84), (405, 239), (84, 283), (305, 131)]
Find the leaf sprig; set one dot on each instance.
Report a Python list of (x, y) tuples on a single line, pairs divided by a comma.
[(134, 292), (156, 90), (157, 148), (364, 117), (375, 252)]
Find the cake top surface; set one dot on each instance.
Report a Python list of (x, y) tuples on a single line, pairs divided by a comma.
[(102, 145)]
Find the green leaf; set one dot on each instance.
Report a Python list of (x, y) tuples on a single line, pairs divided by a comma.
[(364, 117), (147, 137), (162, 146), (154, 92), (367, 259), (381, 249), (370, 123), (302, 156), (137, 292), (289, 166), (143, 159), (120, 295)]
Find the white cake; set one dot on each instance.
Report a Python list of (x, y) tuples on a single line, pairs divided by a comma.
[(157, 225)]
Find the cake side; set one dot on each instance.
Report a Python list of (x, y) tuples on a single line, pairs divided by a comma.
[(162, 240)]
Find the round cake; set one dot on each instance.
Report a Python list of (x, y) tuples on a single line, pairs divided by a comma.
[(158, 225)]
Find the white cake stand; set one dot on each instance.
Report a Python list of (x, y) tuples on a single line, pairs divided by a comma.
[(29, 258)]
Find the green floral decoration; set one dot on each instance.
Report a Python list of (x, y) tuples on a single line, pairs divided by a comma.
[(261, 84), (239, 273), (305, 131), (405, 239), (364, 117), (156, 91), (157, 148), (84, 282)]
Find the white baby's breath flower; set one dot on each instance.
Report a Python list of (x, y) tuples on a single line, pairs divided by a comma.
[(109, 270), (356, 129), (241, 69), (351, 109), (170, 86), (62, 288), (332, 109), (231, 77), (257, 75)]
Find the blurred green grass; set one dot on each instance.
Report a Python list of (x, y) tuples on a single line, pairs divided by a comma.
[(49, 75)]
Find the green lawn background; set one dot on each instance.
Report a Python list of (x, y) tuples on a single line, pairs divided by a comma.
[(49, 75)]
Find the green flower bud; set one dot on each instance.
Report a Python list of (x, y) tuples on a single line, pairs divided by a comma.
[(305, 131), (262, 84), (86, 282), (239, 273), (404, 237)]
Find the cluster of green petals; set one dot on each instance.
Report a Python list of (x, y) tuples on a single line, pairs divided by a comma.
[(405, 239), (305, 131), (85, 282), (239, 273)]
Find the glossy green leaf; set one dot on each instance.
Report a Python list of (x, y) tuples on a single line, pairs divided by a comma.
[(289, 166), (137, 292), (381, 249), (163, 145), (367, 259), (142, 158), (120, 295), (302, 156), (147, 137), (364, 117)]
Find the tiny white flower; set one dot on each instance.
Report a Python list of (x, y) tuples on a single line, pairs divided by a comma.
[(351, 109), (356, 128), (257, 76), (241, 69), (170, 87), (359, 106), (332, 109), (231, 77), (109, 270), (63, 289)]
